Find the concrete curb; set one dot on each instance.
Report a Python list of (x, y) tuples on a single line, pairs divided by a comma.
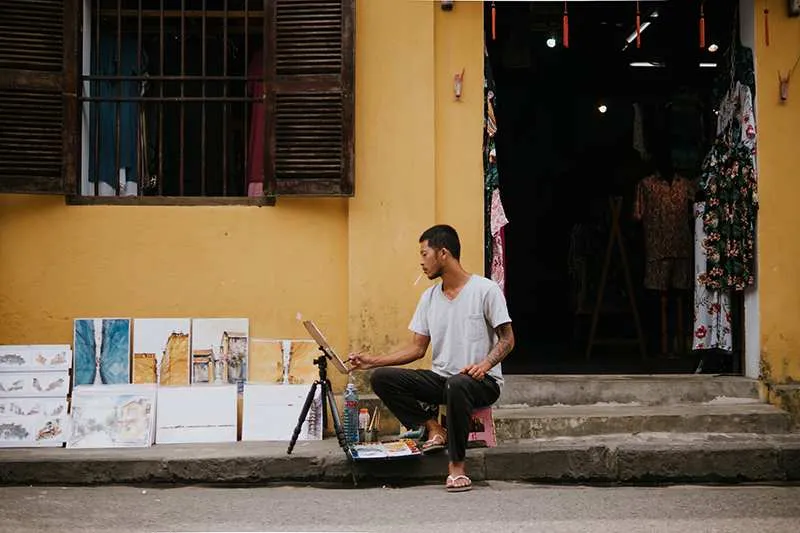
[(662, 458)]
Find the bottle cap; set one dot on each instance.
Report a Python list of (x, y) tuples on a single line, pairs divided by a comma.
[(363, 410)]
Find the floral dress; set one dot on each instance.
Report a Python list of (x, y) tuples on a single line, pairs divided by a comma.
[(730, 216), (712, 313), (712, 308)]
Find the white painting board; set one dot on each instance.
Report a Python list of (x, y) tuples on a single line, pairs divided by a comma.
[(168, 341), (113, 416), (271, 412), (33, 407), (33, 430), (200, 413), (36, 384), (224, 343), (35, 357)]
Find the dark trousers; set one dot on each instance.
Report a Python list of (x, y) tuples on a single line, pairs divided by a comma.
[(402, 390)]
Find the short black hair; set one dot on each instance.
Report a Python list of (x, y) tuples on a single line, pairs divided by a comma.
[(443, 236)]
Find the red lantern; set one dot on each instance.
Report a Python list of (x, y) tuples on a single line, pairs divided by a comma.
[(702, 27), (638, 26), (565, 28), (494, 22)]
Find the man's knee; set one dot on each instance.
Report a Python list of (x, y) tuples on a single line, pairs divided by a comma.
[(379, 378), (458, 384)]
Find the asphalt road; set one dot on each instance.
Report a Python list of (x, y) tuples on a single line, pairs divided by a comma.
[(493, 507)]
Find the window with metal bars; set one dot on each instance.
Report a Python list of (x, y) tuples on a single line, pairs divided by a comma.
[(173, 99)]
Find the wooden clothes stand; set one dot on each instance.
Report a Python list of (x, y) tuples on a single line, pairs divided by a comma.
[(615, 235)]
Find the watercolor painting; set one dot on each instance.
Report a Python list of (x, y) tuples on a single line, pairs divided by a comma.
[(287, 362), (33, 431), (115, 416), (102, 351), (33, 357), (199, 413), (301, 362), (271, 412), (161, 350), (33, 422), (220, 350), (16, 384), (266, 362), (27, 407)]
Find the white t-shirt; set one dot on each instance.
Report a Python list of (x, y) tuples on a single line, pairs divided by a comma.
[(462, 330)]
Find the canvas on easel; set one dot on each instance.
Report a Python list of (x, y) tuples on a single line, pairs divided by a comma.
[(322, 342)]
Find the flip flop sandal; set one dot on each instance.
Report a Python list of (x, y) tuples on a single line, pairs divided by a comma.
[(462, 488), (434, 444)]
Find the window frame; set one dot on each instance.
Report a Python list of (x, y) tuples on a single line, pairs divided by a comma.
[(71, 82)]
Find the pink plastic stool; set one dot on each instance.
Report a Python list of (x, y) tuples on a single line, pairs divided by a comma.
[(481, 427)]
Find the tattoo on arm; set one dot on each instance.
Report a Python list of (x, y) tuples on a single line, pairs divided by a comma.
[(505, 344)]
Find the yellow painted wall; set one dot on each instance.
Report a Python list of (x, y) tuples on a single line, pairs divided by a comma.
[(348, 264), (779, 190), (60, 262), (418, 156)]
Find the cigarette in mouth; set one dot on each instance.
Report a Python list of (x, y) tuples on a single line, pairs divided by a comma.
[(418, 278)]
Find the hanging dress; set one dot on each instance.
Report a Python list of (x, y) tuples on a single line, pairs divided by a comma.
[(712, 303)]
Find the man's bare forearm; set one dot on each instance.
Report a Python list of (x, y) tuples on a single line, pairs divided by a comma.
[(405, 355), (505, 343), (409, 353)]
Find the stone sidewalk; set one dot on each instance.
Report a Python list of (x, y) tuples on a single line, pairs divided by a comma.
[(642, 458)]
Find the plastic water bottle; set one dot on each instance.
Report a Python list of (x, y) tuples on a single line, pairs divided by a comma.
[(351, 414)]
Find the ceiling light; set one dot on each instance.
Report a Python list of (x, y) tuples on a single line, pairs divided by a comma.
[(602, 108), (551, 42), (708, 65), (641, 64), (642, 27), (713, 48)]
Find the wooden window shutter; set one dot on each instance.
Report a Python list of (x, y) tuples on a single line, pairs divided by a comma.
[(310, 97), (38, 104)]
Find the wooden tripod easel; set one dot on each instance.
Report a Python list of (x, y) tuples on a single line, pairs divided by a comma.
[(615, 235)]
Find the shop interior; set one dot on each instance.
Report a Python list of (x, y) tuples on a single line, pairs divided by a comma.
[(580, 124)]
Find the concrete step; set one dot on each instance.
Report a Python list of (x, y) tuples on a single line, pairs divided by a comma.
[(789, 397), (676, 458), (543, 390), (580, 420)]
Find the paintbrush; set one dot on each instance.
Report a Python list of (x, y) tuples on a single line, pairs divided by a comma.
[(372, 420)]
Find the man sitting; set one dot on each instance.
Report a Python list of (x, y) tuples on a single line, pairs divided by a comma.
[(466, 321)]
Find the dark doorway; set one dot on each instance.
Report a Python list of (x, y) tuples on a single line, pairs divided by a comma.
[(565, 147)]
